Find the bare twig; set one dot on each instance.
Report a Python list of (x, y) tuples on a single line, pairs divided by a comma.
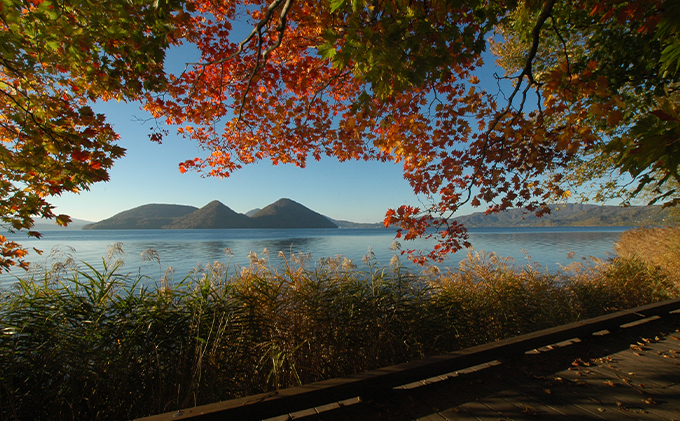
[(261, 56), (526, 72)]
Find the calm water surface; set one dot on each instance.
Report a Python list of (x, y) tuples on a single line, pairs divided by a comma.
[(186, 249)]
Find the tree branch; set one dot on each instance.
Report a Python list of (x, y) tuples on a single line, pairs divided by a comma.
[(526, 71)]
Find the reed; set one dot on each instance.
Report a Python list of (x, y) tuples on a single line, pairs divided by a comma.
[(88, 343), (655, 247)]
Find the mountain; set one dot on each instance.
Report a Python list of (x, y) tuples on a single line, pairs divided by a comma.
[(252, 212), (572, 215), (214, 215), (285, 213), (356, 225), (152, 216)]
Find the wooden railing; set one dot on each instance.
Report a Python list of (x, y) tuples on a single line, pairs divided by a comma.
[(376, 382)]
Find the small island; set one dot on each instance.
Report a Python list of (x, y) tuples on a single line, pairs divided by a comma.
[(284, 213)]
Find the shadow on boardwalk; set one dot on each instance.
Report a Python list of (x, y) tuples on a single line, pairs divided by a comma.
[(618, 367)]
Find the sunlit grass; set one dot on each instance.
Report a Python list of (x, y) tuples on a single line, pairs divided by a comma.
[(656, 247), (88, 343)]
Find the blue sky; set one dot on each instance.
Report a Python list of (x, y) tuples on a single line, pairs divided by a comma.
[(355, 191)]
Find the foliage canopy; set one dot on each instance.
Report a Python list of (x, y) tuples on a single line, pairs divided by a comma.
[(56, 57), (590, 81)]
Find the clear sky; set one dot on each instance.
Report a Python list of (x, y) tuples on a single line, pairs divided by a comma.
[(353, 191)]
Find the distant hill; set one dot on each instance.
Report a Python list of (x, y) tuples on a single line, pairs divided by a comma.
[(50, 225), (152, 216), (356, 225), (285, 213), (572, 215), (252, 212), (214, 215)]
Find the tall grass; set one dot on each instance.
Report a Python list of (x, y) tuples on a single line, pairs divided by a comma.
[(88, 344), (656, 247)]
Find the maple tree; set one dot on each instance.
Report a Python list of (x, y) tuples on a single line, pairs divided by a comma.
[(395, 80), (634, 49), (56, 57)]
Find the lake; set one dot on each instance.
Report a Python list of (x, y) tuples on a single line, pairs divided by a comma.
[(186, 249)]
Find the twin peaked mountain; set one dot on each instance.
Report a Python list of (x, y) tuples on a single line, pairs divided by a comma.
[(283, 213)]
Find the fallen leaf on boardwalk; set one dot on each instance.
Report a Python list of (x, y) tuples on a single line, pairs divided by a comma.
[(631, 374), (650, 401), (675, 337), (601, 409), (548, 391), (530, 411), (610, 383), (635, 347)]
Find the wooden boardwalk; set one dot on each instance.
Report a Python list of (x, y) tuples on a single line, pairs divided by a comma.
[(624, 366), (632, 376)]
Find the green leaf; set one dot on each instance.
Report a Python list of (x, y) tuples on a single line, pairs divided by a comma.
[(670, 59), (327, 51), (336, 4)]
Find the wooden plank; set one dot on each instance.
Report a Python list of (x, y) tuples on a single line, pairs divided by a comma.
[(502, 407), (407, 404), (457, 414), (356, 409), (480, 411), (625, 402), (331, 412), (578, 398), (531, 407), (642, 377), (432, 417), (572, 407), (428, 398)]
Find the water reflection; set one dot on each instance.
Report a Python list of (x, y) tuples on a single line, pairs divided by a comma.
[(185, 249), (291, 245)]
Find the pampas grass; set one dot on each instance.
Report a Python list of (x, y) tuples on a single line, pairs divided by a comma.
[(87, 343)]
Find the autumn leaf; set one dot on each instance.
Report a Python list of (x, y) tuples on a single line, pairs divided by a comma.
[(57, 57), (397, 82)]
